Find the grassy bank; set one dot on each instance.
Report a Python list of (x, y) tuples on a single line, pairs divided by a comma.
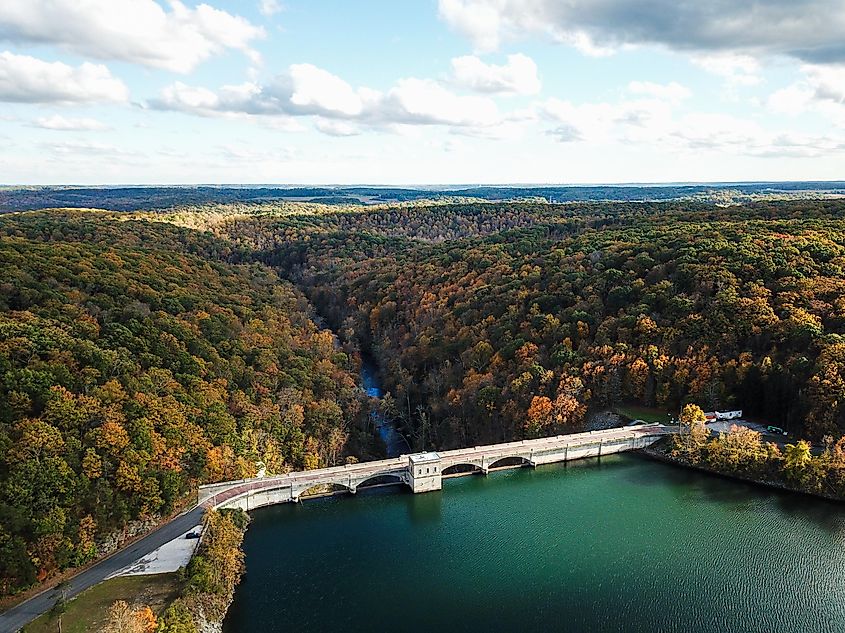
[(88, 612), (191, 600)]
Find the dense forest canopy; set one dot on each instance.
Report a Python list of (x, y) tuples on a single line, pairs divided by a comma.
[(142, 353), (496, 321), (135, 362)]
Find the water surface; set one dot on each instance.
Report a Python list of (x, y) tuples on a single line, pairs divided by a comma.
[(622, 545)]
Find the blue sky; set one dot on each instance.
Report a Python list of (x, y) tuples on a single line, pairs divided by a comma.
[(420, 91)]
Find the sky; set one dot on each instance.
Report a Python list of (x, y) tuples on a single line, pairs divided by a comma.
[(421, 91)]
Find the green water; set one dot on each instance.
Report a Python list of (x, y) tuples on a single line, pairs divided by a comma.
[(624, 545)]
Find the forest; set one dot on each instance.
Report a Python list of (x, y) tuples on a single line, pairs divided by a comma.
[(142, 353), (539, 312), (136, 362)]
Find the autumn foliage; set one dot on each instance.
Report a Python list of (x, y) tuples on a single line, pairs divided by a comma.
[(136, 361), (482, 326), (143, 353)]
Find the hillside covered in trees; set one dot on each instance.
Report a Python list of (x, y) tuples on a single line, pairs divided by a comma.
[(142, 353), (171, 197), (488, 332), (135, 362)]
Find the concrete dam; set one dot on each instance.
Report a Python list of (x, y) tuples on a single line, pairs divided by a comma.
[(424, 472)]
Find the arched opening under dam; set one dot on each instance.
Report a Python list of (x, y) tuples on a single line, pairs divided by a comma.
[(456, 470), (323, 490), (380, 480), (509, 462)]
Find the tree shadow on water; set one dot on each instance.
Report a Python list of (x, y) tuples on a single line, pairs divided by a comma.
[(740, 496), (689, 484), (826, 514)]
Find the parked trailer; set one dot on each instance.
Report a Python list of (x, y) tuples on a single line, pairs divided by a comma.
[(728, 415)]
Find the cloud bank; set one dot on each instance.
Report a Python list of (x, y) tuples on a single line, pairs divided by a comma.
[(809, 30), (25, 79), (135, 31), (306, 90)]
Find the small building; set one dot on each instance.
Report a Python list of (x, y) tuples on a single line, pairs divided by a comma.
[(713, 416), (425, 472)]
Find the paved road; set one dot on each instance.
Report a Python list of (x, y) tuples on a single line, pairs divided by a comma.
[(551, 443), (16, 617)]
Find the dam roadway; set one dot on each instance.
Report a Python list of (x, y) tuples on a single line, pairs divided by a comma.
[(410, 470), (423, 472)]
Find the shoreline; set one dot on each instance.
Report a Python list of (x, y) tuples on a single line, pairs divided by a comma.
[(661, 456), (215, 624), (650, 453)]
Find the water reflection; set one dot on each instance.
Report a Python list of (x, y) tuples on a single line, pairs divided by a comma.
[(734, 494), (425, 508)]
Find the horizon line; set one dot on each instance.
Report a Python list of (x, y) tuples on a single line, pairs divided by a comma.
[(422, 186)]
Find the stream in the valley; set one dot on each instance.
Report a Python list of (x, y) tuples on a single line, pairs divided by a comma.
[(394, 442)]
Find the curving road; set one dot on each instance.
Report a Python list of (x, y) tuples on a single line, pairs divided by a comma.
[(24, 613)]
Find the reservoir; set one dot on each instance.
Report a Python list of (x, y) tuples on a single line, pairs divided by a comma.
[(621, 544)]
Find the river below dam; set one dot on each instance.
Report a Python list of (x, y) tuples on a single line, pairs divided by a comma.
[(394, 442), (621, 544)]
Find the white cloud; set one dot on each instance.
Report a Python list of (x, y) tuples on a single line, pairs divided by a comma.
[(727, 134), (137, 31), (179, 96), (423, 101), (741, 70), (306, 90), (821, 91), (792, 100), (673, 91), (250, 154), (64, 124), (659, 123), (706, 130), (317, 90), (336, 128), (480, 20), (634, 120), (70, 148), (269, 7), (828, 81), (517, 76), (25, 79)]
